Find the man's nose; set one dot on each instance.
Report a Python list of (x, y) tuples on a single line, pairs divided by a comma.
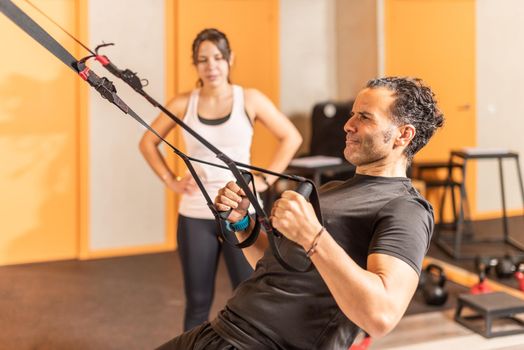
[(349, 126)]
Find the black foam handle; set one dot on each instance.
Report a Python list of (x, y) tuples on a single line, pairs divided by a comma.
[(305, 189), (225, 214)]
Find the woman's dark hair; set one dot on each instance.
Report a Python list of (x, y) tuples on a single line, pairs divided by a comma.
[(216, 37), (415, 104)]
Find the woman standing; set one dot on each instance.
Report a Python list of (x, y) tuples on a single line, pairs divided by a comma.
[(224, 114)]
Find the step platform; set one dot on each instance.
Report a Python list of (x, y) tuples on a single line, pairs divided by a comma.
[(491, 314)]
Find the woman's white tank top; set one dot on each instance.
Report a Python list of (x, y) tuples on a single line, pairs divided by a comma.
[(233, 137)]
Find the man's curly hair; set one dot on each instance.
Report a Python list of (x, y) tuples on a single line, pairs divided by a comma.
[(415, 104)]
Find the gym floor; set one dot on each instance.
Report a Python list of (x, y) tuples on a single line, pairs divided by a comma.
[(487, 229), (137, 302)]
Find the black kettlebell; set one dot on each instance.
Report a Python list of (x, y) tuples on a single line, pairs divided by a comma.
[(506, 267), (485, 264), (433, 290)]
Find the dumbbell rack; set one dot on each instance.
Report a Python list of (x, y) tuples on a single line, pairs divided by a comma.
[(489, 308)]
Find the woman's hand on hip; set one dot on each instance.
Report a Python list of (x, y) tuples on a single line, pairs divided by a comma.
[(184, 185)]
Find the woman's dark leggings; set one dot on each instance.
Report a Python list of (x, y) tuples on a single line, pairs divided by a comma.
[(199, 251)]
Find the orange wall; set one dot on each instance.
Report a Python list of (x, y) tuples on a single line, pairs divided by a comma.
[(44, 118), (252, 29), (39, 147), (435, 40)]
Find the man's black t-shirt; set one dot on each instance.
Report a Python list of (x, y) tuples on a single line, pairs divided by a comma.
[(280, 309)]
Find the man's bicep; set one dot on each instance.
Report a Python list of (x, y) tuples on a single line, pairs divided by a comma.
[(399, 278), (403, 230)]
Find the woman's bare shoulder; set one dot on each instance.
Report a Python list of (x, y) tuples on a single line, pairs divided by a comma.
[(178, 104), (256, 99), (252, 94)]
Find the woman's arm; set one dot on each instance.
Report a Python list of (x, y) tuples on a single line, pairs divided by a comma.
[(149, 148), (289, 139)]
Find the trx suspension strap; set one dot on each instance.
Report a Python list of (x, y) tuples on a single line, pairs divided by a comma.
[(279, 244), (102, 85)]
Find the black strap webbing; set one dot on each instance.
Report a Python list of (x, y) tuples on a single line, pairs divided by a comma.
[(108, 91), (36, 32)]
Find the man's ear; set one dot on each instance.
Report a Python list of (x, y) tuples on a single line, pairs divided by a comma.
[(407, 133)]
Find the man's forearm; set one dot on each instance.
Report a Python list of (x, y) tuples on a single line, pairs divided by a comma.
[(366, 297), (254, 252)]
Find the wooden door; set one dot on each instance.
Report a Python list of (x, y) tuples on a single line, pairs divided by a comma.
[(252, 29), (435, 40), (39, 150)]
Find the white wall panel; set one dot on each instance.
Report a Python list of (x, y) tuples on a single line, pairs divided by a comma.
[(126, 199), (500, 96), (307, 54)]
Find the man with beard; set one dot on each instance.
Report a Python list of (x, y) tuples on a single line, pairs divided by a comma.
[(367, 253)]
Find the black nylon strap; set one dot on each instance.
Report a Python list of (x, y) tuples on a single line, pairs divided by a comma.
[(101, 84), (34, 30), (108, 91)]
